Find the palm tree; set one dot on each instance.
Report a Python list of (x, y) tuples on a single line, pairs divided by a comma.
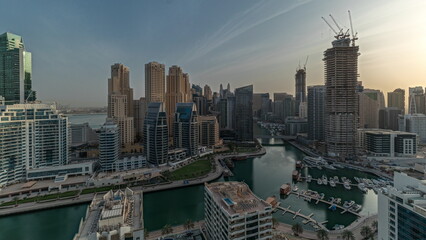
[(366, 232), (348, 235), (375, 226), (188, 224), (297, 229), (322, 234), (274, 222), (167, 229)]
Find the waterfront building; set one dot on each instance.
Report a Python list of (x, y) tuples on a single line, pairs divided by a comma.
[(63, 172), (402, 209), (117, 215), (32, 136), (370, 102), (244, 113), (120, 102), (414, 123), (388, 118), (186, 128), (300, 88), (397, 99), (261, 104), (82, 134), (155, 86), (208, 94), (208, 131), (178, 91), (130, 163), (232, 211), (222, 108), (388, 143), (140, 107), (341, 117), (230, 112), (316, 111), (296, 125), (417, 100), (15, 70), (109, 145), (155, 137)]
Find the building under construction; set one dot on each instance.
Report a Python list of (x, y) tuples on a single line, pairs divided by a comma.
[(300, 79), (341, 106)]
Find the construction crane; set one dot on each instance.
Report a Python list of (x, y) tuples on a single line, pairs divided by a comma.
[(306, 62), (354, 36), (337, 25), (337, 34)]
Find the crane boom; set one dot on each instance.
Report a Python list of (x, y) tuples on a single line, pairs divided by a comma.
[(337, 25), (337, 35), (306, 62), (352, 29)]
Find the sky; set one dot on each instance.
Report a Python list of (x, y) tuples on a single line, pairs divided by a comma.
[(74, 43)]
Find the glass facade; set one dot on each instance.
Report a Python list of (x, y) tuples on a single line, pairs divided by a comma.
[(410, 224)]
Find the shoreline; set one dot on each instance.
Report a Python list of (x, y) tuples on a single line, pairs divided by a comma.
[(87, 198)]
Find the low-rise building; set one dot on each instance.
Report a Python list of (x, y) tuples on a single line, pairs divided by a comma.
[(402, 209), (116, 216), (61, 173), (130, 163), (232, 211)]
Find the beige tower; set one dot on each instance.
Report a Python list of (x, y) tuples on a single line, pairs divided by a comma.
[(154, 82), (120, 102), (178, 91), (397, 99), (208, 94)]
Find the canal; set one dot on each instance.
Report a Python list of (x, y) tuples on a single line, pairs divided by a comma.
[(263, 174)]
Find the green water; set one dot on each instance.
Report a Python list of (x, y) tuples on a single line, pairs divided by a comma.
[(263, 174)]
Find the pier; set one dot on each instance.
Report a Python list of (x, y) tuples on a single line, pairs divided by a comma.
[(307, 218), (344, 210)]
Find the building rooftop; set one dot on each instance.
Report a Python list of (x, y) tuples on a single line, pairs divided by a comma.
[(236, 197)]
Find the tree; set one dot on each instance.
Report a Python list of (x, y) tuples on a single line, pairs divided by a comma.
[(188, 224), (348, 235), (167, 229), (366, 232), (322, 234), (375, 226), (297, 229)]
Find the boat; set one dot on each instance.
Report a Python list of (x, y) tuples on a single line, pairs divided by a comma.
[(357, 179), (333, 207), (299, 164), (319, 167), (362, 187), (295, 174), (332, 183), (356, 208), (348, 204), (338, 165), (338, 227), (295, 188), (347, 186), (285, 189), (309, 178), (319, 181), (322, 195), (331, 199), (324, 179), (329, 167), (344, 179), (336, 179)]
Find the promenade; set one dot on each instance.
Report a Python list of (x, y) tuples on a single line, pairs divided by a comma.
[(87, 198)]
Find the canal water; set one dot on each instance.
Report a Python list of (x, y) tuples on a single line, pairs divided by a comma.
[(263, 174)]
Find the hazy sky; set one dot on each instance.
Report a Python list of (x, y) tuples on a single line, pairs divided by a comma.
[(242, 42)]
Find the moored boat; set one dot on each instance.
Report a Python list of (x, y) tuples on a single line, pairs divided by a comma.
[(347, 186)]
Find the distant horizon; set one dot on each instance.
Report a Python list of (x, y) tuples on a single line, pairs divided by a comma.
[(253, 42)]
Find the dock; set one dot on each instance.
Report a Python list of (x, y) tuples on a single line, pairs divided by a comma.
[(344, 210), (307, 218)]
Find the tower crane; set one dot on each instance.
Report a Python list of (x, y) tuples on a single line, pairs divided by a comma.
[(337, 34), (337, 25), (306, 62), (354, 36)]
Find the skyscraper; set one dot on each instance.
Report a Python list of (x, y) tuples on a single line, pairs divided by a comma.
[(156, 140), (341, 72), (300, 79), (208, 131), (109, 145), (120, 102), (32, 136), (388, 118), (208, 92), (140, 107), (155, 82), (316, 112), (417, 100), (178, 91), (15, 70), (244, 113), (186, 128), (370, 102), (397, 99)]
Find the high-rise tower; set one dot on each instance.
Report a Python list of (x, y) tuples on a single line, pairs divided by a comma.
[(300, 79), (155, 82), (15, 70), (397, 99), (244, 113), (120, 102), (341, 99)]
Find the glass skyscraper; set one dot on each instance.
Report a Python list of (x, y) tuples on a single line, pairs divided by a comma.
[(244, 113), (15, 70), (155, 134), (186, 128)]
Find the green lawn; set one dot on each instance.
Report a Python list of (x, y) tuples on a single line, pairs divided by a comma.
[(101, 189), (192, 170), (42, 198)]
